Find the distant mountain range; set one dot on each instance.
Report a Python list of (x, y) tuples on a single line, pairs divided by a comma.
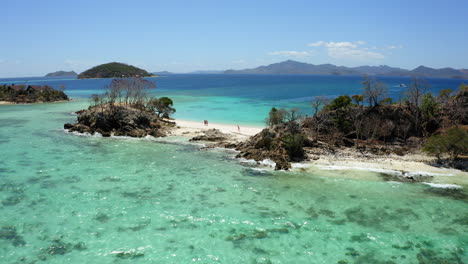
[(62, 74), (295, 67), (194, 72)]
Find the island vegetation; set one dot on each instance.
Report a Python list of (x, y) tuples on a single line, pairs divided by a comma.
[(62, 74), (369, 123), (21, 94), (114, 70), (126, 109)]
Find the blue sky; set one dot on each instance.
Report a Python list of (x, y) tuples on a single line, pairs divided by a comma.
[(43, 36)]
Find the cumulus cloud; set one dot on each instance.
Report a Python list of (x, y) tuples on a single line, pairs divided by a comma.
[(317, 44), (340, 45), (348, 50), (291, 53), (395, 47), (358, 54)]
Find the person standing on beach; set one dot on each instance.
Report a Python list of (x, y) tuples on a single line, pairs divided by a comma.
[(238, 128), (205, 122)]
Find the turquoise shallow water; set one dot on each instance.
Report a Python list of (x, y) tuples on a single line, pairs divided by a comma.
[(242, 99), (74, 199)]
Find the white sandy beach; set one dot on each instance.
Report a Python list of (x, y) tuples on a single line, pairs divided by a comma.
[(410, 164), (349, 160), (194, 128)]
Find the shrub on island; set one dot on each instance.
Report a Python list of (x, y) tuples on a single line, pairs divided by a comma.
[(452, 143), (114, 70), (125, 109), (31, 94), (370, 122), (282, 142)]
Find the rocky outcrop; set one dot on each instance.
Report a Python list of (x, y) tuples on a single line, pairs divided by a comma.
[(120, 121), (282, 144), (22, 94), (402, 176), (212, 135)]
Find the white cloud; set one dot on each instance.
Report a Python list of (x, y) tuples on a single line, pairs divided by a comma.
[(395, 47), (348, 50), (291, 53), (344, 44), (340, 45), (317, 44), (357, 54)]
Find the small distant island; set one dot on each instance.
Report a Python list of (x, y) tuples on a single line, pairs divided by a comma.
[(114, 70), (22, 94), (62, 74)]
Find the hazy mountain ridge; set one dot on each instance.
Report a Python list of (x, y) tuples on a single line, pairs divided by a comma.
[(295, 67)]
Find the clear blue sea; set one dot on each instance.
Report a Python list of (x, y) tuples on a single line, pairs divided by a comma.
[(244, 99), (76, 199)]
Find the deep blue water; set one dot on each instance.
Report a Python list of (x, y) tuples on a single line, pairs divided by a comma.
[(243, 99), (299, 87)]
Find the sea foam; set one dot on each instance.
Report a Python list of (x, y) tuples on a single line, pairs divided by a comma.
[(442, 185)]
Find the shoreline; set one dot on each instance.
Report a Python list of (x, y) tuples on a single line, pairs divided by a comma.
[(13, 103), (346, 159), (189, 128), (403, 166)]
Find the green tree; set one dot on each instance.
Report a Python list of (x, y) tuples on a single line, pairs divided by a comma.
[(162, 106), (444, 95), (342, 101), (276, 116), (387, 100), (358, 99), (429, 106), (294, 145), (341, 106), (463, 87), (454, 143)]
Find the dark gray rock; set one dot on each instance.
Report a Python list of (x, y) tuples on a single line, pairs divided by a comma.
[(120, 121)]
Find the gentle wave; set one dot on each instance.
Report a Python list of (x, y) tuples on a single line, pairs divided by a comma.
[(386, 171), (445, 186), (300, 165)]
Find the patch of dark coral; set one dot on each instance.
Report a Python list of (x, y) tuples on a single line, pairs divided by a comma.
[(9, 233)]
